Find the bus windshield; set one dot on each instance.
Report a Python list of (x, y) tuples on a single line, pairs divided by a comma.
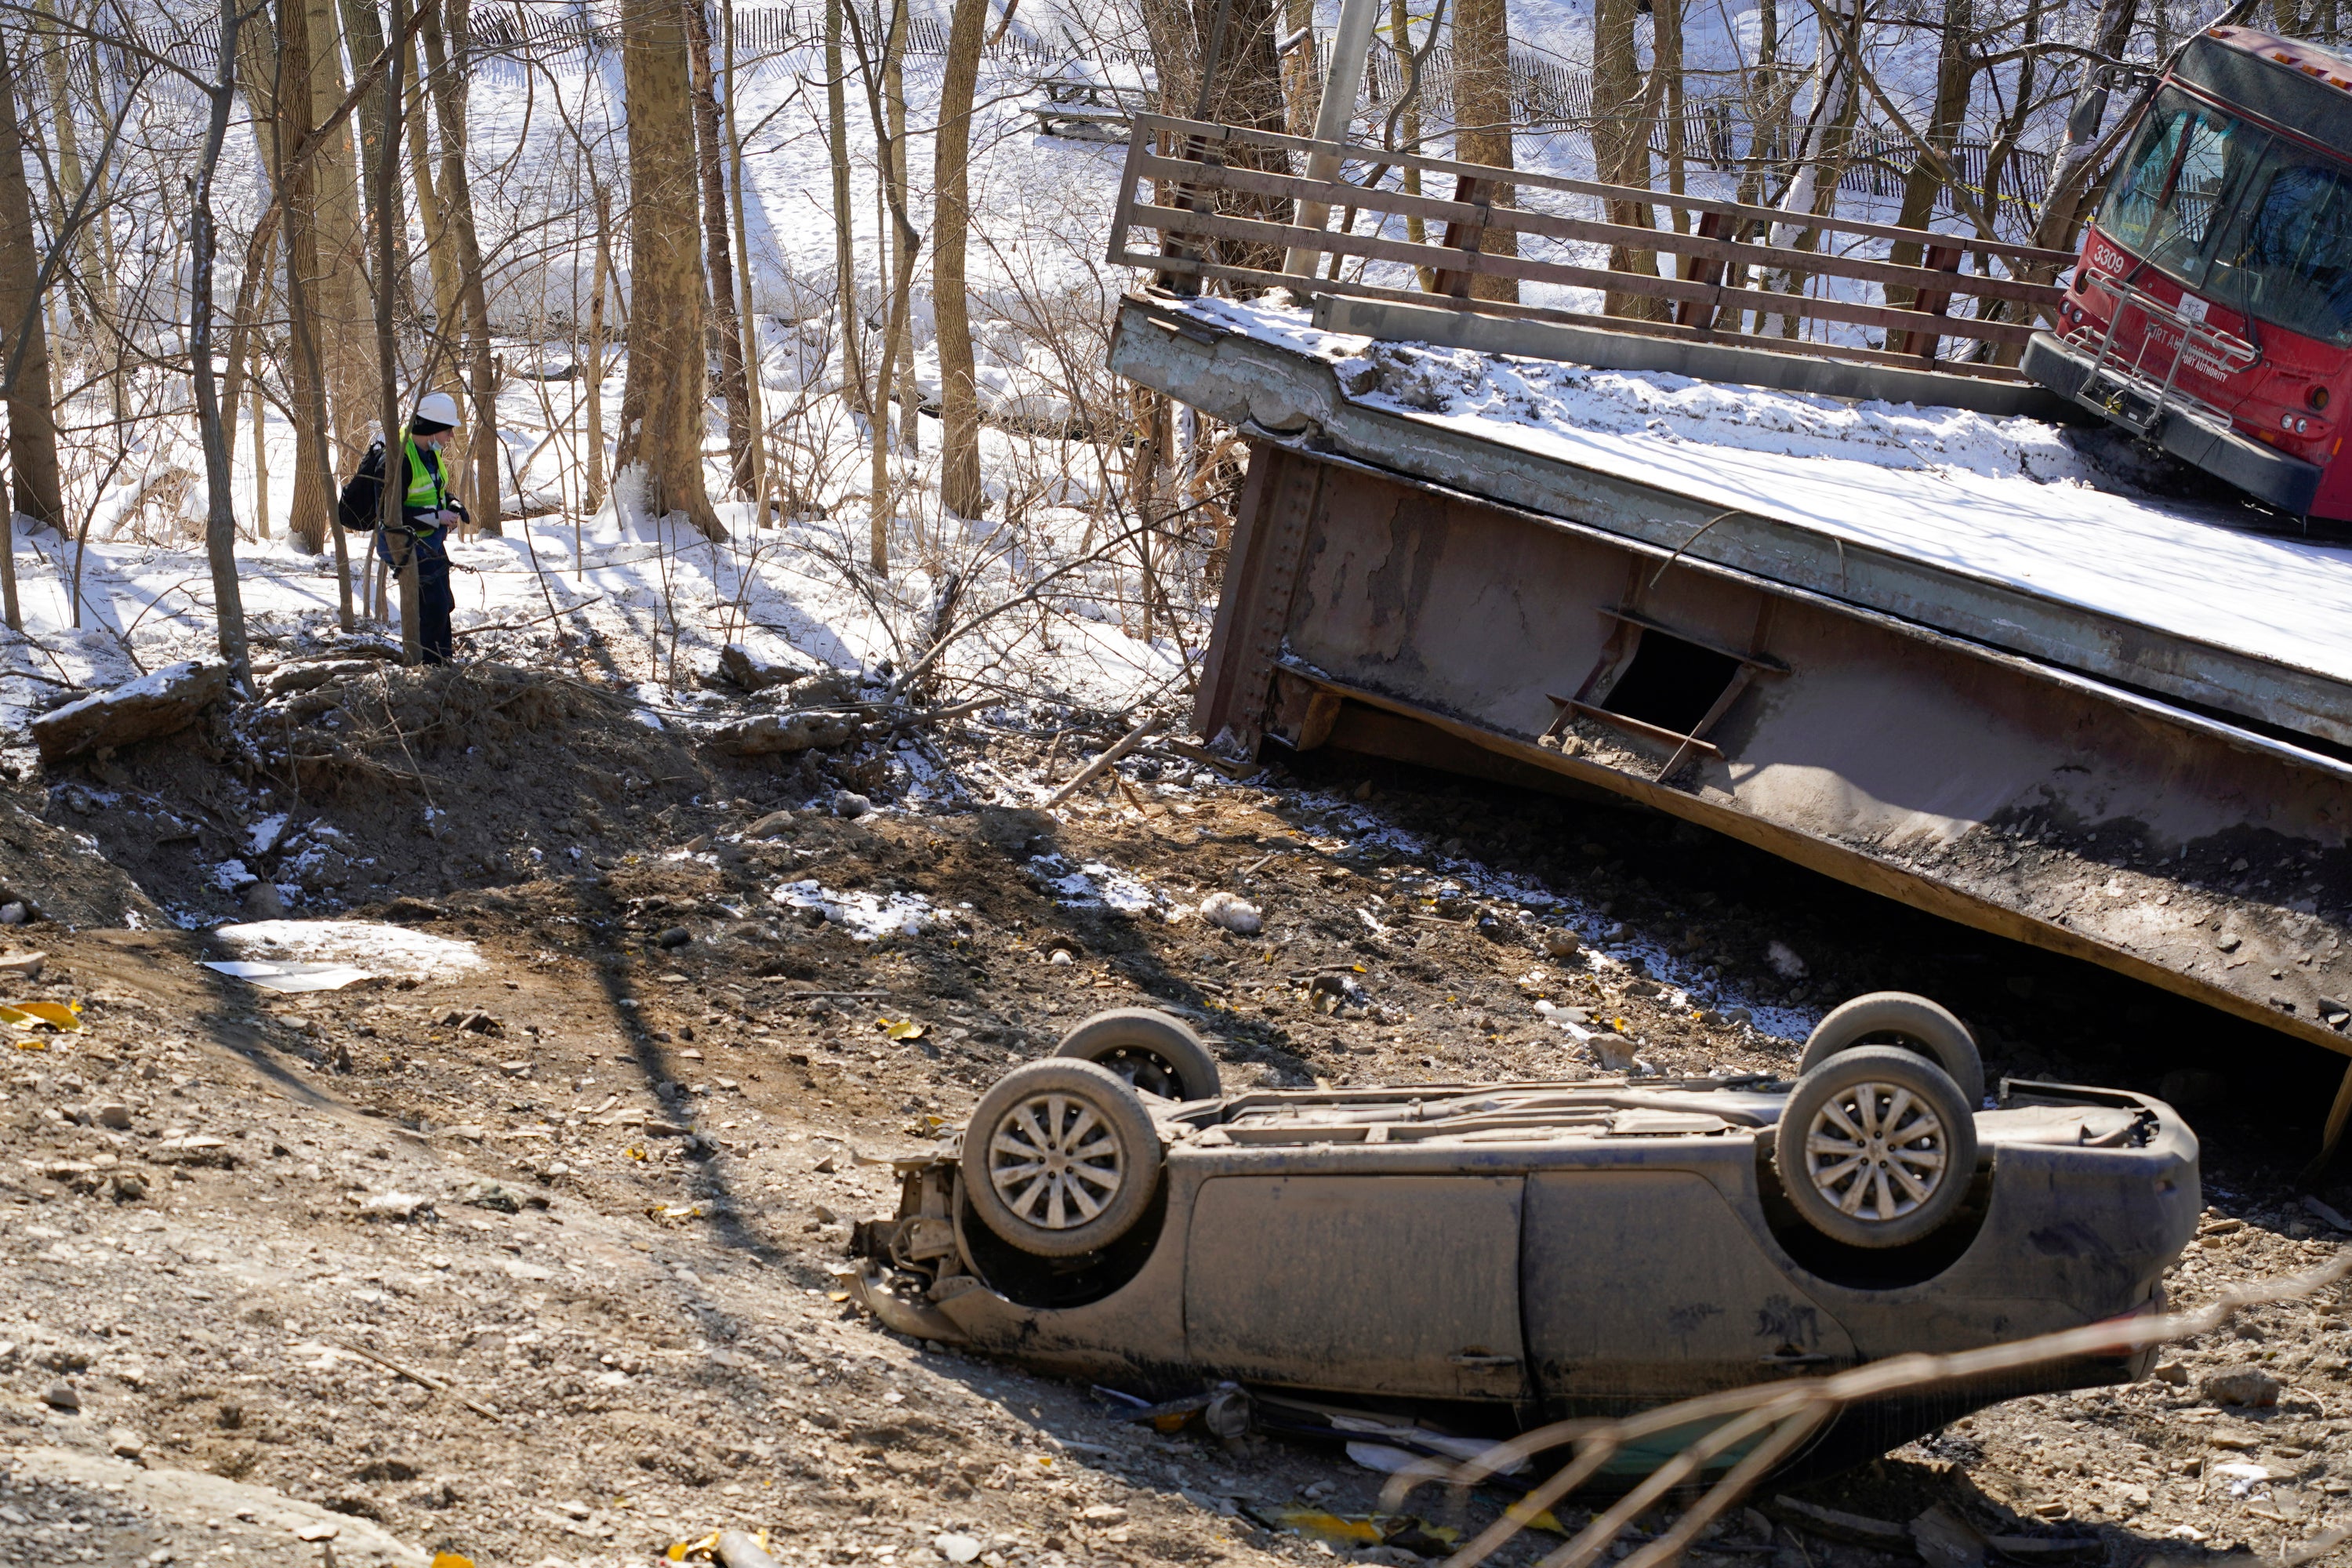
[(2256, 222)]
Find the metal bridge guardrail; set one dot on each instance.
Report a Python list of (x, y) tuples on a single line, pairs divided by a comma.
[(1200, 234)]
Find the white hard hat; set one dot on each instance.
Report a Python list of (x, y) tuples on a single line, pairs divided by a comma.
[(438, 408)]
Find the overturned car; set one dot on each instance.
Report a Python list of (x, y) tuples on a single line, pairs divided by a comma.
[(1509, 1253)]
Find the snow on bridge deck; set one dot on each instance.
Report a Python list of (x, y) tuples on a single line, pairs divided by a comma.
[(2004, 505)]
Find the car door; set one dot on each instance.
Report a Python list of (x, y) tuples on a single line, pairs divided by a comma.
[(1373, 1284), (1644, 1285)]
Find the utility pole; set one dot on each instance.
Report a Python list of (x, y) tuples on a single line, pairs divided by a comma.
[(1348, 46)]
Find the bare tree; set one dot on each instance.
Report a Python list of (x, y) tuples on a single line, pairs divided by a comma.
[(661, 402), (1483, 110), (220, 501), (845, 259), (1626, 99), (961, 493), (456, 194), (727, 329), (23, 333)]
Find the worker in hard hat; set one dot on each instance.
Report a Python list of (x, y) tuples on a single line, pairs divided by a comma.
[(428, 513)]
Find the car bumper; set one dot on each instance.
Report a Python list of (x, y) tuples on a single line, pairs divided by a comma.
[(2285, 482)]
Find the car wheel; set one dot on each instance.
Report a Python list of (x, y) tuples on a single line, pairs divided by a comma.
[(1060, 1157), (1900, 1018), (1877, 1146), (1158, 1053)]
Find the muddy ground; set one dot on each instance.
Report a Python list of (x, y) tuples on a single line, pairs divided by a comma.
[(533, 1261)]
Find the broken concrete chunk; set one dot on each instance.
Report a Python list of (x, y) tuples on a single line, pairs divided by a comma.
[(775, 825), (162, 703), (778, 734)]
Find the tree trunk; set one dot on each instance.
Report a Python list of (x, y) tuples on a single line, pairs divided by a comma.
[(1820, 154), (960, 492), (220, 464), (2075, 165), (748, 319), (448, 314), (894, 97), (1302, 68), (596, 373), (726, 330), (260, 449), (1620, 142), (662, 401), (1408, 123), (58, 51), (314, 476), (381, 116), (31, 419), (1954, 74), (273, 86), (391, 226), (1244, 88), (444, 26), (844, 257), (339, 303), (1482, 108)]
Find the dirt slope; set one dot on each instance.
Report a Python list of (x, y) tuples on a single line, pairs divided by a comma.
[(587, 1197)]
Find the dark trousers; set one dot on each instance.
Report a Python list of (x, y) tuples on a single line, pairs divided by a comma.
[(433, 604)]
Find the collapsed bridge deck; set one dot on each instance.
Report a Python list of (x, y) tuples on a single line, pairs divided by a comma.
[(2117, 731)]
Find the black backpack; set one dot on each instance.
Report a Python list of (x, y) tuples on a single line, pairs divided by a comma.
[(362, 505)]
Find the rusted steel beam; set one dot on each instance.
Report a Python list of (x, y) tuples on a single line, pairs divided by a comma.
[(1982, 787)]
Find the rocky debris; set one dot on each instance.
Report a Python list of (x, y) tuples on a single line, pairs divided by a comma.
[(22, 966), (126, 1506), (309, 675), (746, 671), (2249, 1387), (1233, 912), (261, 900), (775, 825), (162, 702), (782, 734), (850, 804)]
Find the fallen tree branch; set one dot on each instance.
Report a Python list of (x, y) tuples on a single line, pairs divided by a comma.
[(1777, 1416), (1094, 770), (519, 626), (423, 1380)]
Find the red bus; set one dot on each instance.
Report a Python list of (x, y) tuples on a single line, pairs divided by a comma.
[(2211, 309)]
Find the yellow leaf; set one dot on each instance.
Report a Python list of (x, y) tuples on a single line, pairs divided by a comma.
[(451, 1560), (11, 1015), (634, 1152), (32, 1045), (908, 1030), (61, 1014)]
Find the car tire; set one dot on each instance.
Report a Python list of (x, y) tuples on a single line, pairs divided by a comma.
[(1060, 1157), (1155, 1053), (1900, 1018), (1847, 1176)]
